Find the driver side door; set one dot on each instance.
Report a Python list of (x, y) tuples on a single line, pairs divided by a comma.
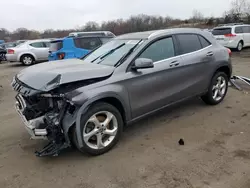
[(153, 88)]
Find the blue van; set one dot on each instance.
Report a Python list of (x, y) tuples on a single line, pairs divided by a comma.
[(76, 47)]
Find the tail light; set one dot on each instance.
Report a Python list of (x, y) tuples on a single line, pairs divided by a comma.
[(229, 52), (10, 51), (61, 55), (230, 35)]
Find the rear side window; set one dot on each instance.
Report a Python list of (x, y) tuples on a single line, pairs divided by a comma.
[(55, 46), (222, 31), (189, 43), (246, 29), (87, 43), (238, 30), (37, 45), (159, 50), (204, 42)]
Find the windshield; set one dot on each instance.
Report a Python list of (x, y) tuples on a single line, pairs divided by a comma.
[(221, 31), (111, 52)]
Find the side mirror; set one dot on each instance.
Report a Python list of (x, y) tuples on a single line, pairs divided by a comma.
[(143, 63)]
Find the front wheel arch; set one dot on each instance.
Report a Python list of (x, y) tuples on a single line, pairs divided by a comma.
[(84, 108)]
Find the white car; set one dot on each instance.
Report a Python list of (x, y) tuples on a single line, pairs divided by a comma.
[(233, 36), (29, 52)]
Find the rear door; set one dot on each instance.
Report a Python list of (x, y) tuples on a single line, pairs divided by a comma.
[(223, 35), (40, 50), (197, 54)]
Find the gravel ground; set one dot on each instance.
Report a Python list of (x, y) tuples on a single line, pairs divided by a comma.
[(216, 153)]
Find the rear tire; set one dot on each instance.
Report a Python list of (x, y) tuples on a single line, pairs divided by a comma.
[(27, 60), (112, 131), (217, 89)]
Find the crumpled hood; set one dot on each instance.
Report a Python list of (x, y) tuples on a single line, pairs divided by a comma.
[(49, 75)]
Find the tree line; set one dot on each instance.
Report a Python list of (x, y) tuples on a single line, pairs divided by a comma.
[(239, 12)]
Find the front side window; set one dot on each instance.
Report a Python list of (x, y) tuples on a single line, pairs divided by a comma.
[(37, 45), (159, 50), (238, 30), (189, 43)]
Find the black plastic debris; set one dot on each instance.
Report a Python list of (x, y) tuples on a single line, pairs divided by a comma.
[(181, 142)]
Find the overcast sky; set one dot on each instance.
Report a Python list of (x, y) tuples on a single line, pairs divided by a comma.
[(65, 14)]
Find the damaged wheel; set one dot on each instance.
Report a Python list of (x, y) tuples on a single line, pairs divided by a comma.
[(101, 128), (217, 89)]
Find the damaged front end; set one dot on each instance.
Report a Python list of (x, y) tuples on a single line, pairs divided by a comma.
[(43, 114)]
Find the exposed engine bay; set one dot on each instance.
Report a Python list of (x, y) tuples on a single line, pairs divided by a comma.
[(43, 113)]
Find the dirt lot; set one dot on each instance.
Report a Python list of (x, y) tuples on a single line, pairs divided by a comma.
[(216, 153)]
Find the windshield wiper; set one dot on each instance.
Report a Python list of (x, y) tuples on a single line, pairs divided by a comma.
[(108, 53), (127, 54)]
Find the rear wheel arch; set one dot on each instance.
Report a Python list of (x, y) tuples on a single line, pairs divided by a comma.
[(224, 69), (28, 54)]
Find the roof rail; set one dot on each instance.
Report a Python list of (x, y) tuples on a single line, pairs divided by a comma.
[(231, 24)]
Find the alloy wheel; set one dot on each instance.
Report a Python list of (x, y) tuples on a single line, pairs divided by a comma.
[(100, 130), (219, 88)]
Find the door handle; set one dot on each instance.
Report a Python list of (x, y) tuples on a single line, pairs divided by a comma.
[(174, 64), (210, 54)]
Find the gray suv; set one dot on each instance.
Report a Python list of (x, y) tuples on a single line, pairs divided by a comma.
[(87, 102)]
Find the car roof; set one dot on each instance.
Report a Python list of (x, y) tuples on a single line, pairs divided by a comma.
[(157, 33)]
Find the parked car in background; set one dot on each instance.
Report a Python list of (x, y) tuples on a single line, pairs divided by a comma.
[(2, 53), (75, 47), (87, 102), (92, 33), (9, 45), (1, 41), (235, 36), (29, 52)]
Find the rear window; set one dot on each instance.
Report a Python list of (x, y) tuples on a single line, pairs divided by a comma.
[(222, 31), (55, 46), (105, 40), (87, 43)]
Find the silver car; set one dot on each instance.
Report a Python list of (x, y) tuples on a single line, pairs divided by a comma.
[(29, 52)]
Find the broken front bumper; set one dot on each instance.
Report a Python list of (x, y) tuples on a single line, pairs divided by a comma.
[(31, 125)]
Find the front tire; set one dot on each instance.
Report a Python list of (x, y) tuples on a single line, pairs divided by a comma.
[(101, 129), (217, 89)]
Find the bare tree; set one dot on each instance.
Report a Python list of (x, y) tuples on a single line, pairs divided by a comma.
[(197, 16)]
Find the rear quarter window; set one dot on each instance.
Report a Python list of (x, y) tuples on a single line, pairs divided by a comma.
[(55, 46), (238, 30), (222, 31), (204, 42)]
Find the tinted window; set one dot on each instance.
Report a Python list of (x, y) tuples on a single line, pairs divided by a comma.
[(104, 40), (37, 45), (246, 29), (87, 43), (159, 50), (238, 30), (204, 42), (55, 46), (221, 31), (189, 43)]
